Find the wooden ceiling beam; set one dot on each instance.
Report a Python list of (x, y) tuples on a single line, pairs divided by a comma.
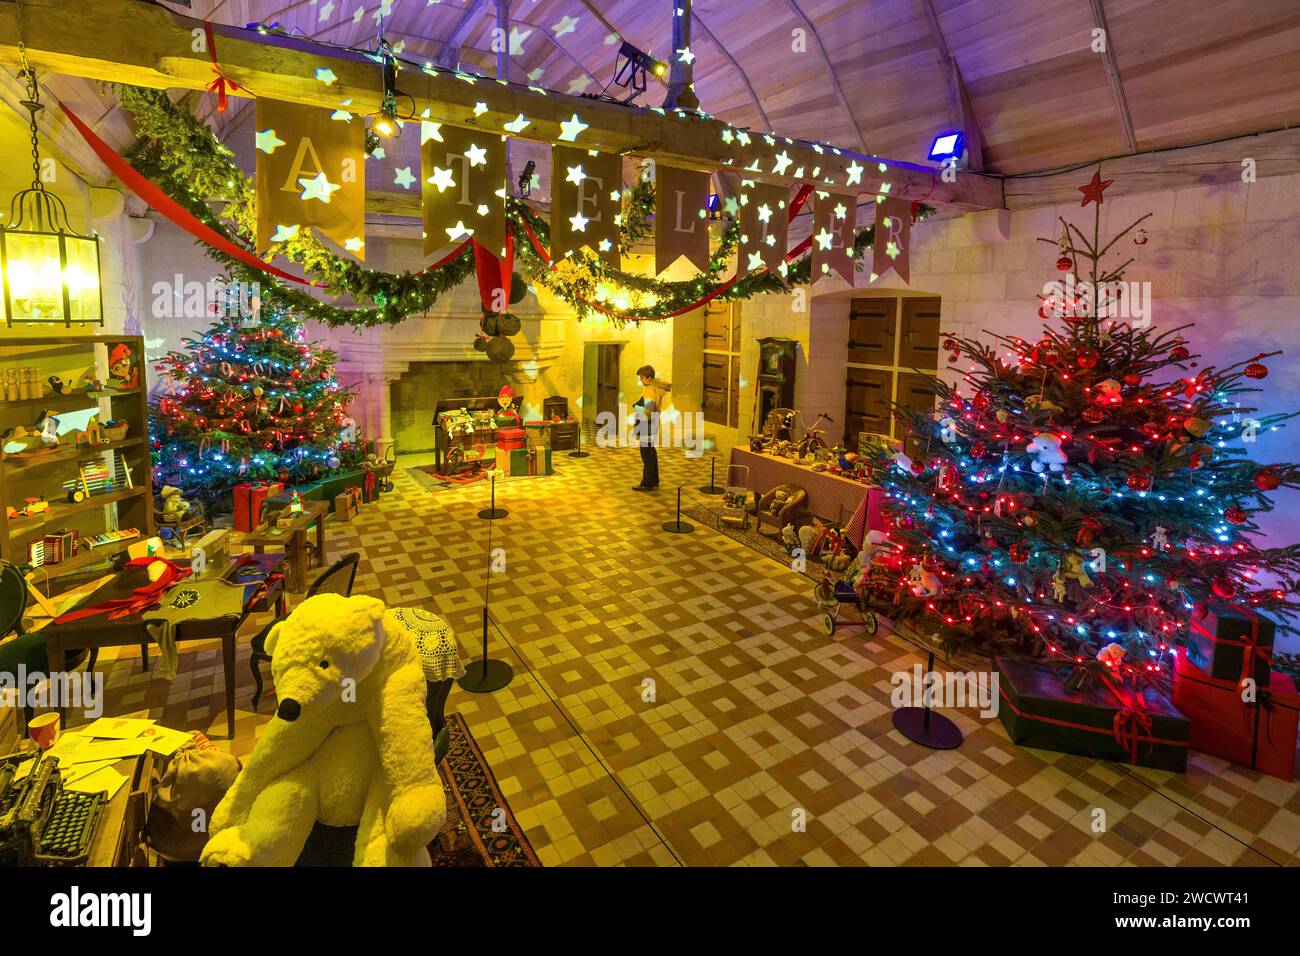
[(449, 58), (1112, 75), (148, 45)]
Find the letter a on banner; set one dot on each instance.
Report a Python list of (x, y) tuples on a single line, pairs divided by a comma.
[(586, 197), (893, 234), (681, 217), (835, 219), (764, 226), (310, 172), (464, 188)]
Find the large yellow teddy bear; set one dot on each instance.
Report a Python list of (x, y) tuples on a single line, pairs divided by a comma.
[(350, 745)]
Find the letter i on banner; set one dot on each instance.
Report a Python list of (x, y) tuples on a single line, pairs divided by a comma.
[(764, 226), (681, 217), (835, 221), (463, 192), (586, 198), (310, 172), (893, 232)]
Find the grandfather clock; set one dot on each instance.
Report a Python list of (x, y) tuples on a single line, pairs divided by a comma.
[(776, 366)]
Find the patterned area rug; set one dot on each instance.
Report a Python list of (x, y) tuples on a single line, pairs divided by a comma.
[(481, 828), (428, 478)]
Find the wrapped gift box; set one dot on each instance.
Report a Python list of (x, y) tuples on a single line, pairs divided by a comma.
[(1232, 643), (1108, 720), (250, 498), (1260, 734), (347, 504), (523, 462), (538, 434)]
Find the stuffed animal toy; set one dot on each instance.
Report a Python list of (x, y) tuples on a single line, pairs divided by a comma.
[(1075, 569), (1106, 392), (1042, 404), (925, 583), (174, 506), (1046, 449), (790, 537), (350, 744), (807, 535)]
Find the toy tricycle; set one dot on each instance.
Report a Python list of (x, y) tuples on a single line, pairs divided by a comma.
[(833, 595)]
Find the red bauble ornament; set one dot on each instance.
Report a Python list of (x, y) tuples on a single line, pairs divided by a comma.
[(1132, 379), (1256, 370), (1266, 479), (918, 468), (1093, 415), (906, 523), (978, 449), (1065, 263), (1235, 515), (1178, 353), (1223, 588), (297, 408), (1019, 552), (1088, 358), (950, 345), (1140, 480), (980, 400)]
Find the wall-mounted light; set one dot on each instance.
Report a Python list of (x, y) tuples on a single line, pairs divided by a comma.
[(632, 66)]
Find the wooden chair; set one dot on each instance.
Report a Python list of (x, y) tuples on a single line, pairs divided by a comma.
[(337, 580), (780, 506), (195, 520)]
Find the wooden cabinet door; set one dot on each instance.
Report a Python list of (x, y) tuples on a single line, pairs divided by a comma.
[(871, 331), (919, 346), (714, 401), (717, 326), (915, 395), (866, 403)]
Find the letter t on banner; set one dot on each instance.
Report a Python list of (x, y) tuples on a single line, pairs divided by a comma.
[(464, 188), (586, 197), (835, 218), (681, 217), (310, 172), (893, 234)]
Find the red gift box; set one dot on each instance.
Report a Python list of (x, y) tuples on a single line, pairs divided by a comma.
[(1260, 734), (249, 499), (1232, 643), (509, 439)]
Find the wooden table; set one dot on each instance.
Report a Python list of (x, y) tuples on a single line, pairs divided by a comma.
[(117, 838), (95, 632), (832, 497), (294, 541)]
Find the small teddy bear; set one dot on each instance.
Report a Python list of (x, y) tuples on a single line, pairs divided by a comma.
[(174, 506), (1107, 392), (1074, 569), (1111, 655), (924, 583), (1046, 449), (790, 537)]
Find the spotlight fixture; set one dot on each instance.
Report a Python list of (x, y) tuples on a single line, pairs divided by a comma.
[(526, 179), (632, 66), (947, 146), (388, 122)]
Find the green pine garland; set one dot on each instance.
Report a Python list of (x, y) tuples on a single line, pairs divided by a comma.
[(184, 158)]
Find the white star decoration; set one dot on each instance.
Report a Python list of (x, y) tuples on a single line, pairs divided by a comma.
[(284, 233), (480, 108), (442, 178), (567, 24), (430, 130), (765, 213), (517, 124), (354, 244), (755, 262), (476, 155), (782, 161), (318, 187), (855, 174), (268, 142), (571, 128), (403, 177), (458, 230), (575, 176), (840, 211), (824, 238), (606, 245), (326, 75), (686, 56), (325, 11), (579, 222)]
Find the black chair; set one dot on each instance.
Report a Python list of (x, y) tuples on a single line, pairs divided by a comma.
[(435, 701), (337, 580)]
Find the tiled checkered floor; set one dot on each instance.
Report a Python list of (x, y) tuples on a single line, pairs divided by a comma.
[(755, 713)]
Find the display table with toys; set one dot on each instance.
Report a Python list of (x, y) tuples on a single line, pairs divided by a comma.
[(829, 496), (288, 530)]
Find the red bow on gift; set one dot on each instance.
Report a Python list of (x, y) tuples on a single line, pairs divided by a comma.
[(222, 83)]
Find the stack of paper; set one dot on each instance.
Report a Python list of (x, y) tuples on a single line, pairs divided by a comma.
[(87, 754)]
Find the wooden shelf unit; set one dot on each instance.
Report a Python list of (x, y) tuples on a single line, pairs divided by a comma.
[(43, 473)]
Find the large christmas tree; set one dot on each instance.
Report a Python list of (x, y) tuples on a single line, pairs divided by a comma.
[(251, 399), (1090, 487)]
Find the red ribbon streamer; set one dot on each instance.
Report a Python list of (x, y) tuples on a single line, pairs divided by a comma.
[(169, 207), (222, 82)]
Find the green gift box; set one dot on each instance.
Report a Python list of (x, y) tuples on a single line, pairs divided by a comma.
[(312, 491), (1107, 720)]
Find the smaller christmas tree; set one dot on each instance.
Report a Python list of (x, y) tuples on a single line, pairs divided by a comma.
[(251, 399)]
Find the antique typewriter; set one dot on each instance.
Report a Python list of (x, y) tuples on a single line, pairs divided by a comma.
[(41, 824)]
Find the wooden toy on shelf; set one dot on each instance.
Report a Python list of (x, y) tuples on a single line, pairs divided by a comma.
[(31, 506), (95, 477)]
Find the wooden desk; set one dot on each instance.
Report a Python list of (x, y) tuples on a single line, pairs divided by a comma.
[(294, 541), (117, 835), (95, 632)]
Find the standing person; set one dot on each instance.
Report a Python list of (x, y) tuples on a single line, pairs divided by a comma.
[(651, 404)]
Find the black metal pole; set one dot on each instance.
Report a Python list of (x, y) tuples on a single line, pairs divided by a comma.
[(712, 487)]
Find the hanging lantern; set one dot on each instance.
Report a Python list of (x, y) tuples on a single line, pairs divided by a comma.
[(50, 272)]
